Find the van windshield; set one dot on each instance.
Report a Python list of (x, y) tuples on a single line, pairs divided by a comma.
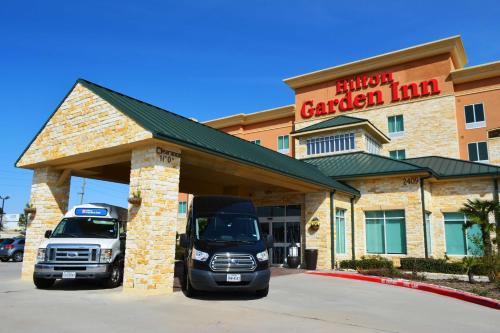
[(227, 228), (86, 227)]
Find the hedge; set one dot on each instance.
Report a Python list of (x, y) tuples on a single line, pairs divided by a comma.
[(366, 263), (432, 265)]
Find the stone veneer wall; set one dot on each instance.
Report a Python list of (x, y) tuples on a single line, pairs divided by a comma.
[(150, 252), (318, 205), (430, 127), (494, 150), (51, 203), (84, 122), (388, 194), (448, 197)]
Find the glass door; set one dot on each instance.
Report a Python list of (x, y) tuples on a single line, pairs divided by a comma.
[(283, 223)]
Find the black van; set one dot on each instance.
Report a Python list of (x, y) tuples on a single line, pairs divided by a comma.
[(224, 248)]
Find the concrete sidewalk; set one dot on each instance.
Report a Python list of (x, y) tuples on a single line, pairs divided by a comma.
[(296, 303)]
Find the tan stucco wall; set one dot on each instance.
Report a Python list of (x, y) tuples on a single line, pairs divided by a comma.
[(83, 123), (51, 202), (494, 150), (430, 127)]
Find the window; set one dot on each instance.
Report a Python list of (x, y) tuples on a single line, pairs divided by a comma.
[(330, 144), (182, 207), (474, 116), (478, 151), (257, 142), (428, 233), (398, 154), (385, 232), (372, 146), (283, 144), (396, 126), (340, 230), (459, 240)]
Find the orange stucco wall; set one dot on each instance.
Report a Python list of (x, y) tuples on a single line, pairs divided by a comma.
[(483, 91), (437, 67), (266, 131)]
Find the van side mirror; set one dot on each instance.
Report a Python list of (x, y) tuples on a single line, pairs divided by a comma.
[(184, 241), (269, 241), (48, 233)]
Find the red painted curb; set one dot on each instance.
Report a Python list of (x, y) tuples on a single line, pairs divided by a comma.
[(462, 295)]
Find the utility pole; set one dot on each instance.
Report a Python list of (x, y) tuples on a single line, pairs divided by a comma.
[(3, 212), (82, 193)]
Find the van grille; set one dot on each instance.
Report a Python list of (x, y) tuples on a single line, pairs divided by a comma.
[(67, 253), (232, 262)]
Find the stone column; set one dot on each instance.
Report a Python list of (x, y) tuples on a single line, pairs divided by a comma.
[(317, 205), (49, 195), (151, 228)]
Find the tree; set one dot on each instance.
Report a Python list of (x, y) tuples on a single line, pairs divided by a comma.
[(478, 212), (23, 219)]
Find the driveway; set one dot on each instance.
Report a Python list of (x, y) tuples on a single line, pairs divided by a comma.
[(296, 303)]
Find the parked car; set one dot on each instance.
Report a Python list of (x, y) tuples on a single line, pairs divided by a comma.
[(225, 249), (12, 248)]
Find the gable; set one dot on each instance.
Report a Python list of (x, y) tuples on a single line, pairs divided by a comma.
[(82, 123)]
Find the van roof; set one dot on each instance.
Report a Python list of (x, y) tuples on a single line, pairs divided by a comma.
[(222, 204)]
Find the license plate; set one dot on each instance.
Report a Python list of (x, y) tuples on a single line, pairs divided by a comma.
[(234, 278), (69, 275)]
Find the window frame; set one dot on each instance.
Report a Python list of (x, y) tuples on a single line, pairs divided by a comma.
[(343, 217), (182, 204), (475, 124), (476, 143), (428, 227), (256, 141), (465, 234), (405, 252), (331, 144), (398, 152), (284, 150), (396, 134)]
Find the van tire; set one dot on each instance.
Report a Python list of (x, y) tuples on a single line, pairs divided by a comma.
[(115, 278), (43, 283), (262, 292), (186, 285), (17, 256), (4, 259)]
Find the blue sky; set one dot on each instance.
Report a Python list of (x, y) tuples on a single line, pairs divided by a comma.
[(202, 59)]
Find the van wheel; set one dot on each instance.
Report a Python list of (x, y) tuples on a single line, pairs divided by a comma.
[(262, 292), (43, 283), (17, 257), (4, 259), (187, 288), (116, 277)]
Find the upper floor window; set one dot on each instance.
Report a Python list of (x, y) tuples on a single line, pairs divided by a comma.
[(478, 151), (330, 144), (182, 207), (474, 116), (398, 154), (396, 126), (372, 146), (283, 144), (257, 142)]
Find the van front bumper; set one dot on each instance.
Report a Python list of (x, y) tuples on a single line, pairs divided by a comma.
[(216, 281), (89, 271)]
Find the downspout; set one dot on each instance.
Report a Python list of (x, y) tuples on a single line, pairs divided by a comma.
[(497, 215), (422, 200), (352, 230), (332, 234)]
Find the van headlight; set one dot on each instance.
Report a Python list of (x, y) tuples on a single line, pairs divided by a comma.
[(40, 256), (199, 255), (263, 256), (106, 255)]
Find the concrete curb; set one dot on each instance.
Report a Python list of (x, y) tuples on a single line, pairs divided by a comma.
[(444, 291)]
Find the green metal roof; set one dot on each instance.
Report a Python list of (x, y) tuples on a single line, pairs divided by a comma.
[(172, 127), (332, 122), (361, 164), (445, 167)]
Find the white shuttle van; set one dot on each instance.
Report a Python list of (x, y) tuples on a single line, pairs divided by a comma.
[(88, 243)]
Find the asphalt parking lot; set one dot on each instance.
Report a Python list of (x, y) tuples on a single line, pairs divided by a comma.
[(296, 303)]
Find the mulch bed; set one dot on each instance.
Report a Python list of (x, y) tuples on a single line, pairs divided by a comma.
[(486, 289)]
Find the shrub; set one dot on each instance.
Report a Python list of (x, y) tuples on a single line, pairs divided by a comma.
[(432, 265), (367, 263)]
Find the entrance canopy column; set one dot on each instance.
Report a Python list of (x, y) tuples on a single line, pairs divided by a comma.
[(49, 197), (317, 209), (151, 228)]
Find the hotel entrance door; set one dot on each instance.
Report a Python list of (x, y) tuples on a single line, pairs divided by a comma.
[(283, 223)]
